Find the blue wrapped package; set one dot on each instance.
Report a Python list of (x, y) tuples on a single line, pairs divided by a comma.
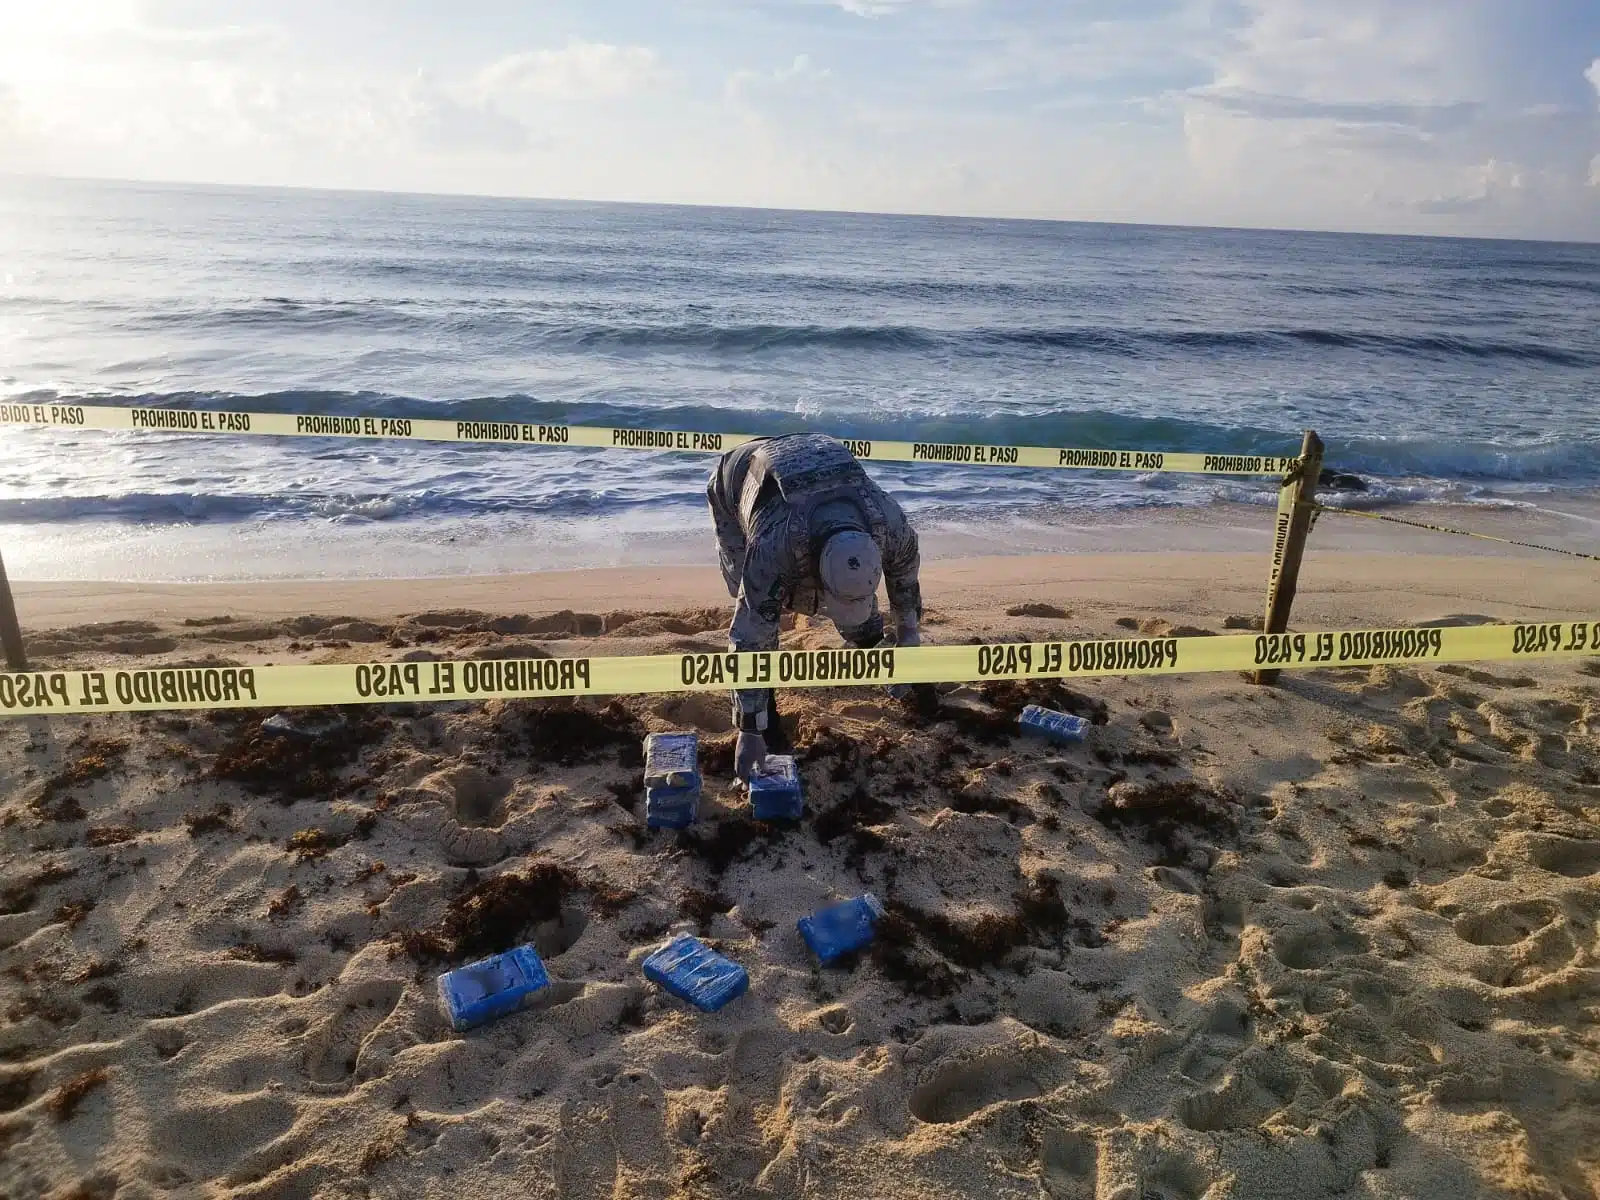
[(671, 808), (1057, 726), (492, 987), (775, 793), (693, 971), (843, 928), (672, 760)]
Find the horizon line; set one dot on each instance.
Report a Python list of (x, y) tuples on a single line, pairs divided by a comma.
[(757, 208)]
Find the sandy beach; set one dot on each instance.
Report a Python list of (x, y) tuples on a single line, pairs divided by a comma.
[(1332, 938)]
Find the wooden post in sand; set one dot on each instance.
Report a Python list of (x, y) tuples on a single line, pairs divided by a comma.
[(1289, 539), (10, 631)]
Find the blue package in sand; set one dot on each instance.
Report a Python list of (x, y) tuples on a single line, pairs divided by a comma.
[(841, 928), (693, 971), (1048, 723), (492, 987), (671, 808), (672, 760), (775, 793)]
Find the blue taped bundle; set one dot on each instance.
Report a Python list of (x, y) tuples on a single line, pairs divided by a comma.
[(1048, 723), (775, 792), (843, 928), (671, 780), (672, 760), (492, 987), (694, 972)]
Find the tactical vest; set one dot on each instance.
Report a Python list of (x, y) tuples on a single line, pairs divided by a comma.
[(808, 470)]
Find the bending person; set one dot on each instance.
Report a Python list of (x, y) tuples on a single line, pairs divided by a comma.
[(801, 528)]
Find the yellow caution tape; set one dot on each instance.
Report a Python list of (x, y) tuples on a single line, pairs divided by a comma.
[(185, 420), (1484, 537), (158, 688)]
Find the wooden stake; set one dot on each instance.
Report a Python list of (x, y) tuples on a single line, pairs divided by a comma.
[(1289, 539), (10, 631)]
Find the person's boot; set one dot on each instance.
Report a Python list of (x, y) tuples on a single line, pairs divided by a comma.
[(777, 736)]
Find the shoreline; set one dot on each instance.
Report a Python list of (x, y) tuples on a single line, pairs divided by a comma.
[(1386, 588), (271, 552)]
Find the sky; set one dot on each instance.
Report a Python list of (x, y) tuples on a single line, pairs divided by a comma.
[(1447, 117)]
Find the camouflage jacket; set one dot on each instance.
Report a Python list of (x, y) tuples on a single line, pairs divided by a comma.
[(774, 502)]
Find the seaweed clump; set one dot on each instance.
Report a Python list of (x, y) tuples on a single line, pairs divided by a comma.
[(1015, 695), (725, 842), (297, 766), (1168, 814), (915, 947), (98, 759), (566, 733), (493, 914)]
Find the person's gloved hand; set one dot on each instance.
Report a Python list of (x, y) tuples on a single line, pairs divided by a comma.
[(749, 755)]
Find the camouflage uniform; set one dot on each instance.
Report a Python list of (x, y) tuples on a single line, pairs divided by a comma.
[(775, 502)]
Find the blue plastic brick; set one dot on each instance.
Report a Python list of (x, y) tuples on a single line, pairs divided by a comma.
[(775, 792), (693, 971), (671, 808), (672, 760), (1057, 726), (492, 987), (841, 929)]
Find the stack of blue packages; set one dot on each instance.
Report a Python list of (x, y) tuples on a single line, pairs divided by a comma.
[(775, 793), (693, 971), (492, 987), (671, 780), (1057, 726), (843, 928)]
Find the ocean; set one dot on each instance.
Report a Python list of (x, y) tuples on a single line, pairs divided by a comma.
[(1441, 371)]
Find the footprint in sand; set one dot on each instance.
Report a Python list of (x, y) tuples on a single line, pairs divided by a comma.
[(1487, 679), (1310, 951), (1173, 1178), (1263, 1081), (836, 1020), (333, 1047), (956, 1090), (207, 1138), (1068, 1162), (1506, 924), (554, 938), (478, 798), (1221, 1038), (465, 810), (1520, 943), (1572, 857)]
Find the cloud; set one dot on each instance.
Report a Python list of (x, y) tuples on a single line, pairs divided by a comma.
[(10, 119), (1488, 184), (1463, 117), (873, 8), (443, 124), (224, 41), (1493, 182), (746, 87), (1272, 107), (1407, 115), (580, 71)]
